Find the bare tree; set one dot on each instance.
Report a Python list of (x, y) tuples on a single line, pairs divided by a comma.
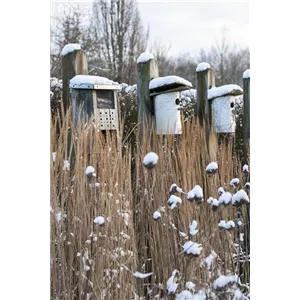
[(68, 29), (161, 50), (121, 36), (221, 49), (228, 60)]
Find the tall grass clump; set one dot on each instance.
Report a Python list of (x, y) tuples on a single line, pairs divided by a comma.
[(129, 254)]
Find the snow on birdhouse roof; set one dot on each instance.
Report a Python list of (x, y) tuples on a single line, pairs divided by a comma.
[(144, 57), (202, 67), (92, 82), (169, 83), (246, 74), (70, 48), (224, 90)]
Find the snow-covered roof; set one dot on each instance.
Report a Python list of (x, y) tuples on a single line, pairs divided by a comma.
[(169, 82), (224, 90), (69, 48), (92, 82)]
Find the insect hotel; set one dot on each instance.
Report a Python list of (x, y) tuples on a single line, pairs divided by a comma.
[(95, 98)]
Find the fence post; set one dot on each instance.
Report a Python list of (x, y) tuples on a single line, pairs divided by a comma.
[(73, 63), (246, 119), (205, 80), (147, 69)]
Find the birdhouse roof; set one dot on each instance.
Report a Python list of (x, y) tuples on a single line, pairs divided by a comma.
[(224, 90), (168, 84), (93, 82)]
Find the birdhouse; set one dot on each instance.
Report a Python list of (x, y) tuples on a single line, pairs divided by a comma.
[(95, 98), (222, 106), (165, 92)]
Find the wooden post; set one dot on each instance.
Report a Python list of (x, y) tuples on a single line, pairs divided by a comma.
[(205, 80), (74, 63), (246, 119), (146, 70)]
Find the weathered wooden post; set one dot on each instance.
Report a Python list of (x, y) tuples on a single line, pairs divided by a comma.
[(205, 80), (147, 69), (74, 62), (246, 119)]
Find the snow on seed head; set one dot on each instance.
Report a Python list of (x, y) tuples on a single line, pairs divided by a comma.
[(191, 196), (174, 188), (225, 198), (234, 182), (150, 160), (156, 215), (193, 227), (211, 168), (239, 198), (247, 186), (245, 169), (198, 193), (220, 191), (174, 201), (192, 248), (99, 221)]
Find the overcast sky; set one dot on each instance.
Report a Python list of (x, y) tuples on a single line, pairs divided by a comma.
[(190, 25)]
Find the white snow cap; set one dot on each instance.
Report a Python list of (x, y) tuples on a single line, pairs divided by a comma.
[(226, 225), (225, 198), (150, 159), (245, 168), (234, 182), (69, 48), (77, 80), (213, 166), (144, 57), (156, 215), (58, 216), (247, 185), (86, 268), (161, 81), (198, 191), (246, 74), (89, 170), (173, 201), (239, 197), (223, 281), (214, 203), (210, 200), (174, 186), (202, 67), (191, 247), (222, 224), (193, 227), (191, 195), (230, 224), (99, 220), (171, 283), (190, 286), (53, 156), (66, 166), (224, 90), (141, 275)]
